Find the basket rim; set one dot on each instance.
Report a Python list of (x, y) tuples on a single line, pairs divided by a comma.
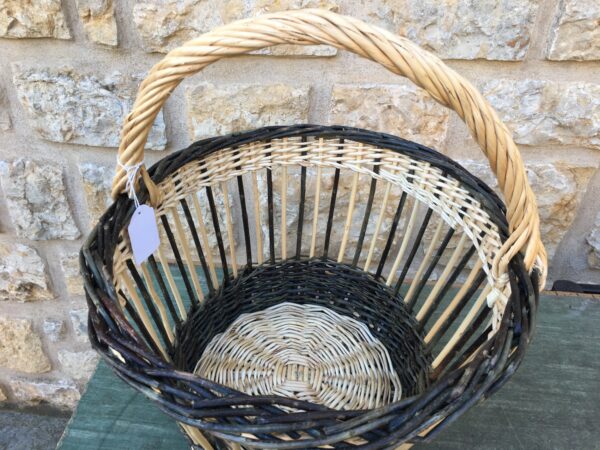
[(204, 147), (200, 149), (144, 370)]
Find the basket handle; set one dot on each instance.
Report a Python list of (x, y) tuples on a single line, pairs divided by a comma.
[(396, 53)]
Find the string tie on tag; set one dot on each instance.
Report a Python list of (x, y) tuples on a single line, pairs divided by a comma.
[(131, 172)]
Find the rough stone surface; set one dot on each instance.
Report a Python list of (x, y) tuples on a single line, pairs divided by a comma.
[(2, 395), (453, 29), (403, 110), (5, 122), (340, 213), (544, 112), (79, 319), (162, 25), (98, 17), (21, 348), (457, 29), (219, 198), (205, 213), (33, 19), (165, 24), (593, 240), (450, 248), (576, 31), (217, 110), (68, 105), (96, 186), (70, 267), (37, 201), (59, 393), (54, 329), (23, 274), (558, 188), (78, 365)]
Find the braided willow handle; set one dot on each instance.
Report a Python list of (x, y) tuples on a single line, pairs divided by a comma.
[(398, 54)]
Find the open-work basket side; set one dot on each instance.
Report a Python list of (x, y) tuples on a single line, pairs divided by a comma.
[(423, 224)]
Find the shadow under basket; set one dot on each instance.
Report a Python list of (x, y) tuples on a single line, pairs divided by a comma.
[(315, 287)]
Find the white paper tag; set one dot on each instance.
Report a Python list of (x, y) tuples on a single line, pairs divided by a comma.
[(143, 233)]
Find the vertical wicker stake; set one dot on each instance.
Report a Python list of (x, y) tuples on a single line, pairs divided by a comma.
[(384, 319)]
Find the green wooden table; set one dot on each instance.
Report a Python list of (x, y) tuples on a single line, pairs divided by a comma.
[(553, 402)]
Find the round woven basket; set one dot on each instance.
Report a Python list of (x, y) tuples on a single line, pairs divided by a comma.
[(315, 286)]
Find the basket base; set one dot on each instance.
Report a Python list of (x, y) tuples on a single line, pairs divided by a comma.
[(306, 352), (334, 294)]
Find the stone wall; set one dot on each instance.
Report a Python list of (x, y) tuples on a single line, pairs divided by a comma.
[(69, 73)]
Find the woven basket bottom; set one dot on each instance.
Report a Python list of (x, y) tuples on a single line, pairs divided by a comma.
[(312, 329), (306, 352)]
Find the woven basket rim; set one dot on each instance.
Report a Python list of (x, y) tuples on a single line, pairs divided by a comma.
[(200, 149)]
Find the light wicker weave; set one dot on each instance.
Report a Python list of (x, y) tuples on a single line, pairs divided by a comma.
[(307, 352), (416, 281)]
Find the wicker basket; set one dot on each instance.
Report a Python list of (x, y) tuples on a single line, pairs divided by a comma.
[(316, 287)]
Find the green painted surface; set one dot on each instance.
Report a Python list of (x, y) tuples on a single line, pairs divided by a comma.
[(553, 402), (111, 415)]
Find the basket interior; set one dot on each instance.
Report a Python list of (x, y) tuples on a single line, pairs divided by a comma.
[(252, 358)]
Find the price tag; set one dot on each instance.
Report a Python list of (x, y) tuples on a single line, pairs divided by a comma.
[(143, 233)]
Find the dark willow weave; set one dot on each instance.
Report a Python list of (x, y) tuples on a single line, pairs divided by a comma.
[(476, 368), (338, 287)]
